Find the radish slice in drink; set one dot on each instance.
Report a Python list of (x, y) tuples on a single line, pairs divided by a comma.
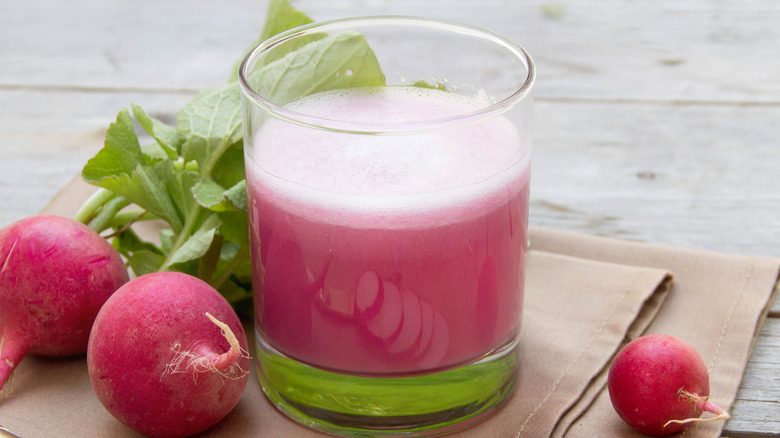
[(368, 295), (412, 324), (426, 330), (388, 321), (440, 342)]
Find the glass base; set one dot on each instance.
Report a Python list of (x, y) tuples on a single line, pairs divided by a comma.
[(360, 406)]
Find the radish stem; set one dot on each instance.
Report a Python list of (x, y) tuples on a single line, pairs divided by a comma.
[(93, 204)]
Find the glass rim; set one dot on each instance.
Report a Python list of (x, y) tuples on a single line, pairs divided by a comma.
[(286, 114)]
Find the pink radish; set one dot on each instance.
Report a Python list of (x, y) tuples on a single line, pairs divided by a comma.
[(55, 274), (659, 385), (167, 355)]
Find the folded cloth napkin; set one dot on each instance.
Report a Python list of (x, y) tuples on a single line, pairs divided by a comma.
[(585, 297)]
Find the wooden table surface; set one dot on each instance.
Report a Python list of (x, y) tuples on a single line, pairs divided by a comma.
[(656, 121)]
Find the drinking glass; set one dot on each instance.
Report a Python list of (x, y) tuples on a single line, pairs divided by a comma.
[(387, 163)]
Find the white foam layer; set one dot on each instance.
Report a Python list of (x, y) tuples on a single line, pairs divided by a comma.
[(390, 178), (391, 211)]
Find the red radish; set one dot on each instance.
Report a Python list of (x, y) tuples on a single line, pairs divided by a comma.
[(167, 355), (659, 385), (55, 274)]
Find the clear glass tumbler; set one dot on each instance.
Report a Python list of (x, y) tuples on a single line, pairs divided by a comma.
[(388, 167)]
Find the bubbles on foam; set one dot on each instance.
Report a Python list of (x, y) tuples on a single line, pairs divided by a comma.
[(389, 177)]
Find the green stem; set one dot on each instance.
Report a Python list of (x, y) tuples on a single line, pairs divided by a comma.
[(94, 203), (125, 217), (192, 216), (101, 222)]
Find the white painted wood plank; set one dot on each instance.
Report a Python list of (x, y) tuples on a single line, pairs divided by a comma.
[(605, 49), (617, 49), (757, 406), (47, 137), (126, 45), (693, 176)]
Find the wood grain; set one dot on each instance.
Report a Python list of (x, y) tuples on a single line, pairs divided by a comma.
[(755, 411), (655, 121)]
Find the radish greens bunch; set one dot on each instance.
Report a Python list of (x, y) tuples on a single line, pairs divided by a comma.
[(192, 175)]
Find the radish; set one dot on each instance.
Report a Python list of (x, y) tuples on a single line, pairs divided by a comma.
[(55, 274), (167, 355), (659, 385)]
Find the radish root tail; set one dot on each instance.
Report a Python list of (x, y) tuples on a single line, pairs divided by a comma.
[(224, 365), (703, 405), (11, 353)]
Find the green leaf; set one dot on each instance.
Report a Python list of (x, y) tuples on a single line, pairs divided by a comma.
[(121, 153), (155, 151), (128, 242), (179, 183), (237, 195), (145, 188), (207, 263), (210, 195), (230, 167), (229, 250), (165, 135), (121, 167), (144, 262), (197, 244), (213, 196), (235, 227), (280, 16), (210, 124), (342, 60)]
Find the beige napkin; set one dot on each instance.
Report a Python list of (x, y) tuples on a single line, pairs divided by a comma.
[(717, 303), (584, 296)]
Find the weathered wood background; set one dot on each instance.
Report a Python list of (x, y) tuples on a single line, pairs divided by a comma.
[(655, 121)]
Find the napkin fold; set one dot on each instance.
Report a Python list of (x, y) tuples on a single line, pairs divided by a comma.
[(717, 303), (577, 314), (585, 297)]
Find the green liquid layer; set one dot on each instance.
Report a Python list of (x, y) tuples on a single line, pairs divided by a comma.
[(421, 405)]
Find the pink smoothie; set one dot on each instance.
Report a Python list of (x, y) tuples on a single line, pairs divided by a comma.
[(388, 254)]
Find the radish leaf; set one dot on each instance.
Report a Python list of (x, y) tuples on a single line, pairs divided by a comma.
[(210, 124), (197, 244), (121, 152), (342, 60)]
